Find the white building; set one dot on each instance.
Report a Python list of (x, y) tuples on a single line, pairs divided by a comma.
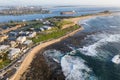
[(46, 22), (28, 42), (47, 27), (13, 53), (24, 33), (33, 34), (21, 39), (4, 48), (41, 29), (13, 43)]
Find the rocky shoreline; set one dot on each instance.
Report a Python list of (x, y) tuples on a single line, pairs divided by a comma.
[(44, 67)]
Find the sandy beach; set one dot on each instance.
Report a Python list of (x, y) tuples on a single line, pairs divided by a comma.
[(27, 61)]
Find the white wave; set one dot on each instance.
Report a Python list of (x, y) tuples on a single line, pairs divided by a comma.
[(85, 21), (54, 54), (74, 68), (100, 39), (72, 48), (116, 59), (113, 26)]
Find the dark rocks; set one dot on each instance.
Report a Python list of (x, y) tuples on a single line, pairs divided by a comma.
[(40, 70)]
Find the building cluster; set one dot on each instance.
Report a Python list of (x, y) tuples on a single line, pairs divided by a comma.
[(16, 43), (23, 10)]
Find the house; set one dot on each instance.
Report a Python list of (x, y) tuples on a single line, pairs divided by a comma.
[(31, 35), (28, 42), (21, 39), (3, 37), (13, 53), (13, 36), (47, 27), (46, 23), (4, 48), (42, 29), (21, 46), (21, 33), (13, 43)]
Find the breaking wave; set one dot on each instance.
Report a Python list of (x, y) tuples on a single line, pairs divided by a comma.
[(95, 52), (74, 68), (98, 41), (54, 54)]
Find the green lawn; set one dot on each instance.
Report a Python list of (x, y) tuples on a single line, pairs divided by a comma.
[(61, 23), (4, 63), (55, 34)]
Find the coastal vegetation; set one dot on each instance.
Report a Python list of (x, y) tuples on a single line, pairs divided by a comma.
[(54, 34), (61, 23), (4, 61)]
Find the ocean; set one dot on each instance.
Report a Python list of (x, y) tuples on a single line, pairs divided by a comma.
[(91, 60)]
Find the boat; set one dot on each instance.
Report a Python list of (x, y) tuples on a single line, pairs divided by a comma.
[(67, 12), (116, 59)]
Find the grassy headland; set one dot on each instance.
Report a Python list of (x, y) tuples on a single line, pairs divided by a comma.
[(56, 33)]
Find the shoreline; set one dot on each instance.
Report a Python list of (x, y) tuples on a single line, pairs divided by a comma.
[(29, 58)]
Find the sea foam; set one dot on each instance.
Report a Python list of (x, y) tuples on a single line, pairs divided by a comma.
[(99, 40), (74, 68)]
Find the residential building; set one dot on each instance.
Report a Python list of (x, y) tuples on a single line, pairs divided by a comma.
[(21, 39), (46, 23), (13, 53), (13, 43), (33, 34), (28, 42), (42, 29), (4, 48), (11, 34), (47, 27), (21, 33), (21, 47)]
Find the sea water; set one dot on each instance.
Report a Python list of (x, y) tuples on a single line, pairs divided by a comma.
[(92, 61)]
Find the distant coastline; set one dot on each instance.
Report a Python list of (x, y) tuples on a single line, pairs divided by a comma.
[(23, 10)]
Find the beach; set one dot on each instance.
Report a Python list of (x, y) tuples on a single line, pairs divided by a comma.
[(29, 58)]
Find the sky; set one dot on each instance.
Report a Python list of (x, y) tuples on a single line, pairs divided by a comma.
[(60, 2)]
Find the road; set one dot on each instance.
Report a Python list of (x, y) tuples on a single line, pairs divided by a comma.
[(9, 70)]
